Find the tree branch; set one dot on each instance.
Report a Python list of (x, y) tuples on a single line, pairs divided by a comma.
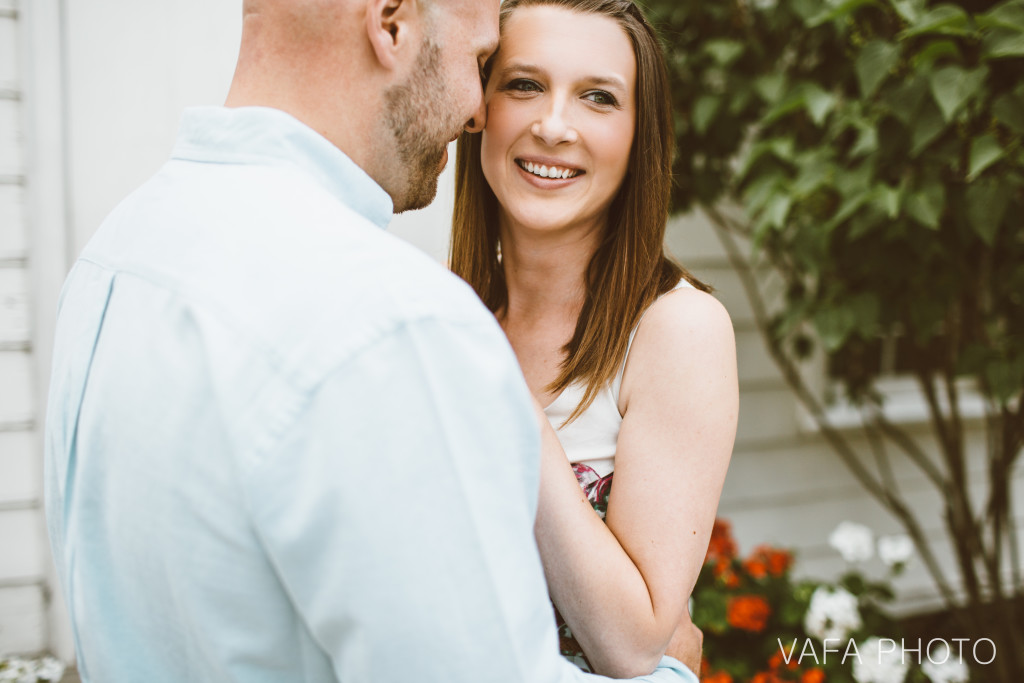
[(810, 402)]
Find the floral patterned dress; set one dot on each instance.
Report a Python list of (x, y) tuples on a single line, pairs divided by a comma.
[(597, 490)]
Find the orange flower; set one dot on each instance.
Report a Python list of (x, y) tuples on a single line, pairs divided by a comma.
[(748, 613), (721, 544), (756, 568), (724, 573), (766, 560), (779, 659), (717, 677), (813, 676), (764, 677), (778, 562)]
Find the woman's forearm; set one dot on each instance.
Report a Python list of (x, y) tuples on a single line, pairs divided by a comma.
[(597, 587)]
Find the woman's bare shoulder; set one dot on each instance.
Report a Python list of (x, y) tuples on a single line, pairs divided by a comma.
[(685, 338)]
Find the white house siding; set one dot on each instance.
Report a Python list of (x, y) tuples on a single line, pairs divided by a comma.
[(785, 485), (23, 585)]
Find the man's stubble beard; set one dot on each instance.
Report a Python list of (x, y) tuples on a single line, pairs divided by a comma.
[(421, 122)]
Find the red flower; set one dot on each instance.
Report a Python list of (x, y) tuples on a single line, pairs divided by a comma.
[(765, 560), (779, 659), (813, 676), (724, 573), (755, 567), (721, 545), (717, 677), (764, 677), (748, 613)]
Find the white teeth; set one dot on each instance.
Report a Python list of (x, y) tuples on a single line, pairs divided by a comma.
[(548, 172)]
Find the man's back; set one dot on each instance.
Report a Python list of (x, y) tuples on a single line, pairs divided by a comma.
[(261, 430)]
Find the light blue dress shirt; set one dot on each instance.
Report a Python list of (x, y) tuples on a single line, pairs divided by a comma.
[(282, 444)]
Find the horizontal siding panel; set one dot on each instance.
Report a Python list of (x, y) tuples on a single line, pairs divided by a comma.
[(22, 531), (11, 161), (809, 469), (8, 52), (754, 363), (691, 238), (19, 468), (14, 325), (768, 414), (806, 523), (12, 223), (16, 395), (22, 620)]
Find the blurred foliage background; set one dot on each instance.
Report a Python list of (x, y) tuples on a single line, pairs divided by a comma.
[(867, 155)]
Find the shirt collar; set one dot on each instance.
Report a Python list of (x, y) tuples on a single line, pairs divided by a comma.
[(248, 135)]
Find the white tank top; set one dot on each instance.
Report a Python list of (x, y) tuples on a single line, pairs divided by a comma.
[(591, 438)]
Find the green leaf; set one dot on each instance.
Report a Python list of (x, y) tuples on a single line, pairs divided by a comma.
[(935, 50), (910, 10), (849, 207), (1002, 43), (780, 148), (953, 86), (834, 323), (777, 210), (841, 10), (986, 206), (1008, 15), (704, 110), (925, 206), (985, 151), (930, 125), (818, 102), (876, 59), (906, 99), (867, 142), (757, 194), (944, 19), (1009, 110), (771, 86), (888, 199), (723, 51), (795, 101), (815, 170)]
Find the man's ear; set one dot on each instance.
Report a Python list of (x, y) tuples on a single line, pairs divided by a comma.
[(388, 24)]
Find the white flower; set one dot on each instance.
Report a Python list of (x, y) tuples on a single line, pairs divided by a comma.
[(877, 666), (855, 542), (833, 613), (942, 666), (895, 550), (16, 670)]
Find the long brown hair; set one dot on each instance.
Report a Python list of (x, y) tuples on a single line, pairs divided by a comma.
[(629, 269)]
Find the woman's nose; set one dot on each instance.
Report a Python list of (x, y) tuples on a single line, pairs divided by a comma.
[(553, 127)]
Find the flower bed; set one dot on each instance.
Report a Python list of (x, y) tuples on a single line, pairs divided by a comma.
[(762, 626)]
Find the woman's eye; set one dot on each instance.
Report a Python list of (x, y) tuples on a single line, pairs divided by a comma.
[(602, 97), (523, 85)]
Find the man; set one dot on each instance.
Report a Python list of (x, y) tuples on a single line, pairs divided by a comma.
[(282, 445)]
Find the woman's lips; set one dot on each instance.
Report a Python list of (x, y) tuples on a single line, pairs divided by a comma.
[(564, 174)]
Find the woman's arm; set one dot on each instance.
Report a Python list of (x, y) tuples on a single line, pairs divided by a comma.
[(623, 586)]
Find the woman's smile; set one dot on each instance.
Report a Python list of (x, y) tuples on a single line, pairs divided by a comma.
[(546, 173)]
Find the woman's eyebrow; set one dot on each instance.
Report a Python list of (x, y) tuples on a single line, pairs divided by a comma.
[(614, 81), (534, 70), (519, 67)]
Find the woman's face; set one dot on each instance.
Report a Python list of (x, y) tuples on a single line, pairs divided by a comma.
[(561, 113)]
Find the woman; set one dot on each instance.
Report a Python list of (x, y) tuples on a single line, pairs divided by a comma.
[(561, 205)]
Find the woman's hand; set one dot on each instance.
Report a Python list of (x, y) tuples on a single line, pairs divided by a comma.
[(687, 643)]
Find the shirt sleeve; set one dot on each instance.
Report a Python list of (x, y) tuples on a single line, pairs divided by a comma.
[(398, 513)]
